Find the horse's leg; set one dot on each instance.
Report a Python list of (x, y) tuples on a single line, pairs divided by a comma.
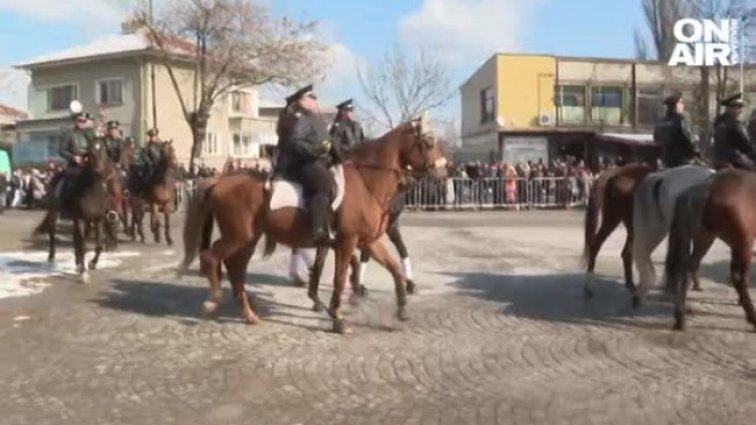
[(52, 224), (155, 221), (701, 245), (211, 259), (236, 266), (380, 254), (315, 273), (609, 222), (395, 236), (138, 213), (167, 215), (644, 243), (743, 254), (357, 277), (98, 245), (79, 228), (682, 294), (627, 255), (343, 253)]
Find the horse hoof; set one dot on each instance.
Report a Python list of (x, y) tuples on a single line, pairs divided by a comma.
[(697, 289), (411, 288), (209, 308), (85, 278), (587, 293), (678, 327), (252, 319), (92, 265), (298, 282), (636, 302), (51, 260), (317, 307), (169, 242), (340, 327), (354, 300), (401, 314)]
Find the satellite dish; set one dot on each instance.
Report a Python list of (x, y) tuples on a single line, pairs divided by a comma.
[(75, 107), (500, 122)]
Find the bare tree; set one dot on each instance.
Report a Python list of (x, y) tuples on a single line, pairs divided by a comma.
[(660, 16), (228, 44), (399, 87)]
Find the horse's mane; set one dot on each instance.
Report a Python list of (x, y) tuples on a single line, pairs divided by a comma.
[(370, 148)]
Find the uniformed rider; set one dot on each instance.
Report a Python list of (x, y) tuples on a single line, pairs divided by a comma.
[(304, 151), (114, 140), (149, 157), (345, 132), (76, 144), (673, 134), (732, 146)]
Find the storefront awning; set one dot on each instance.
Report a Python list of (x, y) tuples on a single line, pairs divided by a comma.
[(627, 138)]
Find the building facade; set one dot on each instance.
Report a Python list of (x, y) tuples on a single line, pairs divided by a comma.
[(122, 77), (529, 107)]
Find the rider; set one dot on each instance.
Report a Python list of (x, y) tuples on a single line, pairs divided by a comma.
[(732, 147), (303, 156), (113, 140), (345, 132), (150, 153), (76, 143), (673, 134)]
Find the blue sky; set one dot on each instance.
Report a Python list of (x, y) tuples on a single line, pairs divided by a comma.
[(467, 32)]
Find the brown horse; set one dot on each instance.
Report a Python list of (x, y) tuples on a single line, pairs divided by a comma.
[(611, 195), (157, 192), (722, 207), (240, 205), (128, 153)]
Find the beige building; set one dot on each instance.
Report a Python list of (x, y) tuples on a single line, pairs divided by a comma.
[(112, 76), (527, 107), (8, 118)]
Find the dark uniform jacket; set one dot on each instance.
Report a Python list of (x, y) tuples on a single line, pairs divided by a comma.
[(345, 134), (673, 135), (77, 142), (301, 138), (113, 145), (732, 145), (150, 154)]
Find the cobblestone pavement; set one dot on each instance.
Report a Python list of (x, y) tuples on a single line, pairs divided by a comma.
[(499, 334)]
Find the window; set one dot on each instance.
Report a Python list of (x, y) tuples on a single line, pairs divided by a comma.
[(60, 98), (236, 101), (606, 105), (110, 92), (487, 105), (237, 145), (650, 107), (571, 103), (210, 146)]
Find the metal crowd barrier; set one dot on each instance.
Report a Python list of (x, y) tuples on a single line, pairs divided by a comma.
[(461, 193)]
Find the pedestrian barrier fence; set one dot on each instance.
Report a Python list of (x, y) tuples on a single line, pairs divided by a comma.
[(462, 193)]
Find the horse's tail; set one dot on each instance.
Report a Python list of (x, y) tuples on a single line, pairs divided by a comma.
[(198, 225), (595, 204), (270, 246), (44, 225), (685, 222)]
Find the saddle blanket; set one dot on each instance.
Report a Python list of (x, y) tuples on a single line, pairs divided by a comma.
[(288, 193)]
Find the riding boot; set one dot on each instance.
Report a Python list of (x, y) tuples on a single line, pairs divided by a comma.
[(319, 210)]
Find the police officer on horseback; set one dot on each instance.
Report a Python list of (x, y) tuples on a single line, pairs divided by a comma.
[(732, 146), (76, 144), (149, 156), (304, 150), (345, 132), (673, 134), (113, 140)]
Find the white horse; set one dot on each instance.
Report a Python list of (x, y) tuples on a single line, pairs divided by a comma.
[(653, 211)]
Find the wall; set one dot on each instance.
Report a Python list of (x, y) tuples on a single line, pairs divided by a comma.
[(525, 89), (471, 106)]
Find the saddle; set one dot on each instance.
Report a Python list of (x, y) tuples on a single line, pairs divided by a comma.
[(285, 193)]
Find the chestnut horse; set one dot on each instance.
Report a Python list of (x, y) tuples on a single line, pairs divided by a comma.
[(722, 207), (612, 197), (157, 191), (240, 205)]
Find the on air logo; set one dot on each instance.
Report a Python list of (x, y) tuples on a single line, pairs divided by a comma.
[(705, 42)]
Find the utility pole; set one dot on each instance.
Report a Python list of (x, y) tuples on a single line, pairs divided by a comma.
[(152, 80)]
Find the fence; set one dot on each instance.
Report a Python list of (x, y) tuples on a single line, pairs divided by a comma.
[(461, 193)]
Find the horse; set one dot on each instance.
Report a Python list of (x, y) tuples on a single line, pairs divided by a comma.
[(241, 205), (612, 197), (87, 201), (653, 211), (721, 207), (158, 192), (128, 153)]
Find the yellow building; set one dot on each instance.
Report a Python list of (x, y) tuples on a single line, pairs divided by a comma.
[(519, 107)]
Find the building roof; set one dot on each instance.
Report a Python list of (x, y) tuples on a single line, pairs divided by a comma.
[(106, 46), (7, 111)]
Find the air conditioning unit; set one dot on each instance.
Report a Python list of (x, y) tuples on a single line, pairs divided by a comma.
[(546, 119)]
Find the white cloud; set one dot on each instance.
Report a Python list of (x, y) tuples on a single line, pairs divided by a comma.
[(468, 29), (13, 88), (341, 80), (93, 15)]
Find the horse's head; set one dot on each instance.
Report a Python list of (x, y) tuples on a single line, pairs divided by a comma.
[(97, 159), (168, 153), (420, 151)]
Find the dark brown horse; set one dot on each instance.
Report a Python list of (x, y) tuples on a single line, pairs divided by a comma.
[(723, 207), (612, 197), (155, 192), (128, 152), (240, 205), (87, 201)]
